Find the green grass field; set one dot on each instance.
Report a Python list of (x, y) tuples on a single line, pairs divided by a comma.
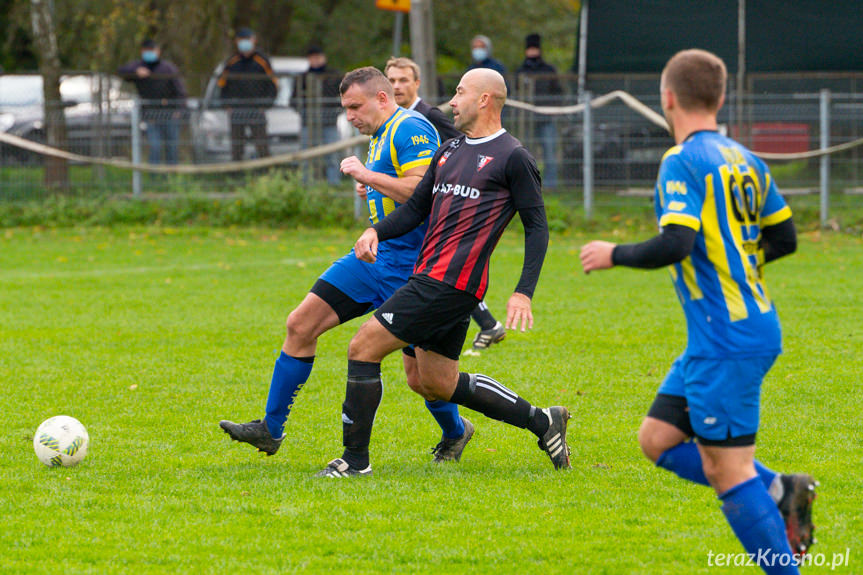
[(151, 336)]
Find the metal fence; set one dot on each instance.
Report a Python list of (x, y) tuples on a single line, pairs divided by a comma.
[(104, 118)]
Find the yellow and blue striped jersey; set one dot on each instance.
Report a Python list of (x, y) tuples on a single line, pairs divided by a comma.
[(406, 140), (717, 187)]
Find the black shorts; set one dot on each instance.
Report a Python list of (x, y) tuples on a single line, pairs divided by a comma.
[(673, 409), (346, 308), (429, 314)]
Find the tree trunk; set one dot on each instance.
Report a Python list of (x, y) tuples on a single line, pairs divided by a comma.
[(56, 169)]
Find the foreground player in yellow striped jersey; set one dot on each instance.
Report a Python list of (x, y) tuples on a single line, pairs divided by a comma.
[(721, 219)]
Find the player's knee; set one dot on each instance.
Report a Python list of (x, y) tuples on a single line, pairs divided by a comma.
[(648, 444), (717, 469), (431, 385), (356, 346), (299, 328), (361, 347), (417, 387), (414, 382), (294, 324), (649, 441)]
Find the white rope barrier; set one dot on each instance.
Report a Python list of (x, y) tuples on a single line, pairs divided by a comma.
[(225, 167), (636, 105), (812, 153), (627, 99), (598, 102)]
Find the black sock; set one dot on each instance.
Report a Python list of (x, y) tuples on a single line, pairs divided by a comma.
[(538, 422), (483, 317), (481, 393), (362, 397)]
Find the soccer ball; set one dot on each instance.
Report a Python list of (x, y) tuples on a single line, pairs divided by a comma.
[(61, 440)]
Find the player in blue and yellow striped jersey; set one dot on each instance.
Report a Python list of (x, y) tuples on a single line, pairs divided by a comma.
[(401, 148), (721, 219)]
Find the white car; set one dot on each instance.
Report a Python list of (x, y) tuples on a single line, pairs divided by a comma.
[(96, 108)]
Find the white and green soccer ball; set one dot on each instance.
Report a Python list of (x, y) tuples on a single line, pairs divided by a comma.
[(61, 441)]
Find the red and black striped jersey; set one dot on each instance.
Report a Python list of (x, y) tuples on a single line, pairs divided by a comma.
[(475, 187)]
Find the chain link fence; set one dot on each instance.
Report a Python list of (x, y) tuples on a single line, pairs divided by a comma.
[(105, 119)]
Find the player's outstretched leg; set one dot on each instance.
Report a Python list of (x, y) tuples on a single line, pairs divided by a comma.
[(482, 393), (491, 330), (796, 509), (289, 376), (305, 324)]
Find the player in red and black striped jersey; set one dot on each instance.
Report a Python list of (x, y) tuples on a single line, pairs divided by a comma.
[(471, 191), (404, 74)]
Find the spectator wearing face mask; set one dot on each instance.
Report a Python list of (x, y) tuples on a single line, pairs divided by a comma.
[(480, 53), (163, 100), (248, 87), (538, 83)]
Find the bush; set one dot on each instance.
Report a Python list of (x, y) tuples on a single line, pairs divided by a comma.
[(276, 199)]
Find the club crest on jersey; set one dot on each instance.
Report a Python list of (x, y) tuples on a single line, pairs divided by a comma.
[(450, 149), (482, 161)]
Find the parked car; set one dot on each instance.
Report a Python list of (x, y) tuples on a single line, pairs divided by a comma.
[(212, 134), (96, 108), (623, 154)]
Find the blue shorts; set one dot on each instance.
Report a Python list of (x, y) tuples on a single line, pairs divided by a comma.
[(723, 395), (367, 283)]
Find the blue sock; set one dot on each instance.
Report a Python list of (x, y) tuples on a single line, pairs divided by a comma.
[(767, 475), (289, 375), (684, 460), (446, 415), (756, 522)]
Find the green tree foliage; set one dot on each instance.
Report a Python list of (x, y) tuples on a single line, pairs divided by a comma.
[(197, 34), (506, 24)]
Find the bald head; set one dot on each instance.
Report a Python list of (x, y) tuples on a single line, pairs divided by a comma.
[(487, 81), (478, 101)]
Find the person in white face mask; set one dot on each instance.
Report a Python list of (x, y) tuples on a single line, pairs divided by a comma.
[(480, 53), (163, 100), (248, 86)]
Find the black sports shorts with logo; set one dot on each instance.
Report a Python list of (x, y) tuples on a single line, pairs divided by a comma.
[(429, 314)]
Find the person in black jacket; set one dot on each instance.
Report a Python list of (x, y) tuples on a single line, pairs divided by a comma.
[(538, 81), (163, 99), (248, 86), (404, 75)]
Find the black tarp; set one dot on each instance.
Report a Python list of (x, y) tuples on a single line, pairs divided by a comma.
[(781, 36)]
